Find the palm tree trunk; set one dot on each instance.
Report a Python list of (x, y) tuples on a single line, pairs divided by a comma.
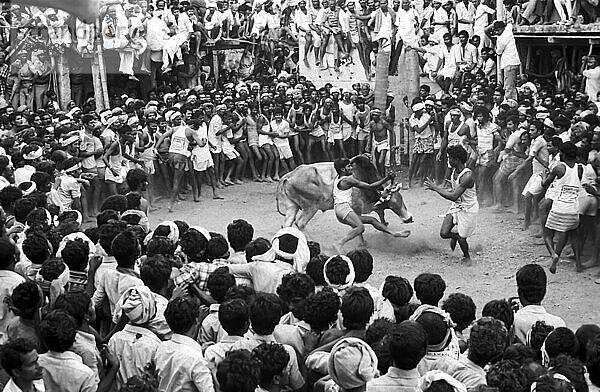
[(64, 80), (382, 81), (413, 80)]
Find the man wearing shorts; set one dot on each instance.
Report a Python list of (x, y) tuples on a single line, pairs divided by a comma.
[(460, 221), (342, 200), (281, 127), (381, 132)]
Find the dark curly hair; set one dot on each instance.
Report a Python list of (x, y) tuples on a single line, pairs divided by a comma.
[(531, 283), (52, 268), (337, 270), (257, 247), (76, 304), (487, 341), (407, 344), (26, 299), (507, 376), (592, 360), (238, 372), (357, 308), (181, 314), (265, 312), (561, 341), (108, 232), (571, 368), (314, 269), (539, 331), (461, 309), (243, 292), (234, 316), (58, 330), (135, 179), (499, 309), (429, 288), (520, 353), (35, 247), (9, 195), (12, 352), (239, 234), (194, 244), (321, 309), (377, 330), (294, 289), (22, 208), (217, 247), (363, 264), (397, 290), (115, 202), (75, 254), (273, 359), (106, 216), (219, 282), (160, 245), (440, 386), (155, 272)]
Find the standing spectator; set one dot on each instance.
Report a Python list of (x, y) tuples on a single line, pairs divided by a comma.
[(592, 77), (510, 63), (20, 360)]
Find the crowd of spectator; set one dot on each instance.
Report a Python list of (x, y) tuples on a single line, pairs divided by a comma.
[(119, 307)]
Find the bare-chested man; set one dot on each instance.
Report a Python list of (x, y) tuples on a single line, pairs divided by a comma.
[(382, 135), (342, 199)]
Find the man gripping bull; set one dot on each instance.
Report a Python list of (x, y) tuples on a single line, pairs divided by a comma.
[(342, 199)]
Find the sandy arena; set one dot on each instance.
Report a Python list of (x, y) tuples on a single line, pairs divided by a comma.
[(498, 248)]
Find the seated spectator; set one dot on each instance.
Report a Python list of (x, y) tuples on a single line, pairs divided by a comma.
[(179, 361), (63, 369), (407, 347), (531, 284), (218, 283), (239, 235), (238, 372), (20, 361), (429, 288)]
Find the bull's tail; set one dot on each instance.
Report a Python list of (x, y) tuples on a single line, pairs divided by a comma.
[(280, 194)]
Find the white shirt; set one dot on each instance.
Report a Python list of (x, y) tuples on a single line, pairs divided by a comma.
[(66, 372), (8, 281), (12, 387), (506, 47), (68, 191), (23, 174), (592, 83), (481, 18), (112, 285), (181, 366), (466, 12), (135, 347), (526, 317), (405, 20), (157, 33)]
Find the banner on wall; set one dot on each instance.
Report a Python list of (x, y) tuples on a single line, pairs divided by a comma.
[(323, 68)]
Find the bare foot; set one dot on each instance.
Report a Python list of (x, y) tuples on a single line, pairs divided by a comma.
[(217, 197), (154, 209), (268, 179), (196, 200), (467, 262), (525, 226), (171, 207), (238, 182), (554, 264), (276, 178), (402, 234)]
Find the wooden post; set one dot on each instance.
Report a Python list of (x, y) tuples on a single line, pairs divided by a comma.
[(96, 79), (216, 67), (382, 81), (64, 80), (101, 71), (413, 83)]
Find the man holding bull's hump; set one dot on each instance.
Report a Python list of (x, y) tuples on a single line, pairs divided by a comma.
[(342, 199)]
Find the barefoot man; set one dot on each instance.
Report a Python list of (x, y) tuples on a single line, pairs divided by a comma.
[(342, 199), (461, 219)]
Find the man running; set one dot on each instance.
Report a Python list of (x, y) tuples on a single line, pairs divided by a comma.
[(461, 219), (342, 199)]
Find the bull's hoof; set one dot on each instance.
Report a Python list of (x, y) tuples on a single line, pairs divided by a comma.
[(409, 220)]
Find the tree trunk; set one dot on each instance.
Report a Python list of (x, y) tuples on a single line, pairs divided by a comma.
[(64, 81), (382, 82), (413, 82)]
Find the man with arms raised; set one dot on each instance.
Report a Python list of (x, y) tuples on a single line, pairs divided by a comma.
[(342, 199), (462, 215)]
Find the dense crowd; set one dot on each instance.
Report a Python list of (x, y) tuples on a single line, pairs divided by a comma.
[(118, 307)]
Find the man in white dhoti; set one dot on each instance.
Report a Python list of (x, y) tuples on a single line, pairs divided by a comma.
[(460, 221)]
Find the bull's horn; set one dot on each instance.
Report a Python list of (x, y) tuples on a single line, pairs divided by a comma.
[(86, 10)]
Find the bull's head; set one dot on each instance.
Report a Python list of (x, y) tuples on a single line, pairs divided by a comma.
[(397, 205)]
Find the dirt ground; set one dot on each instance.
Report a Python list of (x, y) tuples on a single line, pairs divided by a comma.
[(499, 247)]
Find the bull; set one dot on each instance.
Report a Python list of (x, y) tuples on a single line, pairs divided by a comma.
[(309, 188)]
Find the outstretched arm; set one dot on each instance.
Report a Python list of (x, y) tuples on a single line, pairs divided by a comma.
[(466, 181), (351, 182)]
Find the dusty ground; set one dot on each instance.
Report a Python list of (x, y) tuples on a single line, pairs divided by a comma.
[(499, 247)]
